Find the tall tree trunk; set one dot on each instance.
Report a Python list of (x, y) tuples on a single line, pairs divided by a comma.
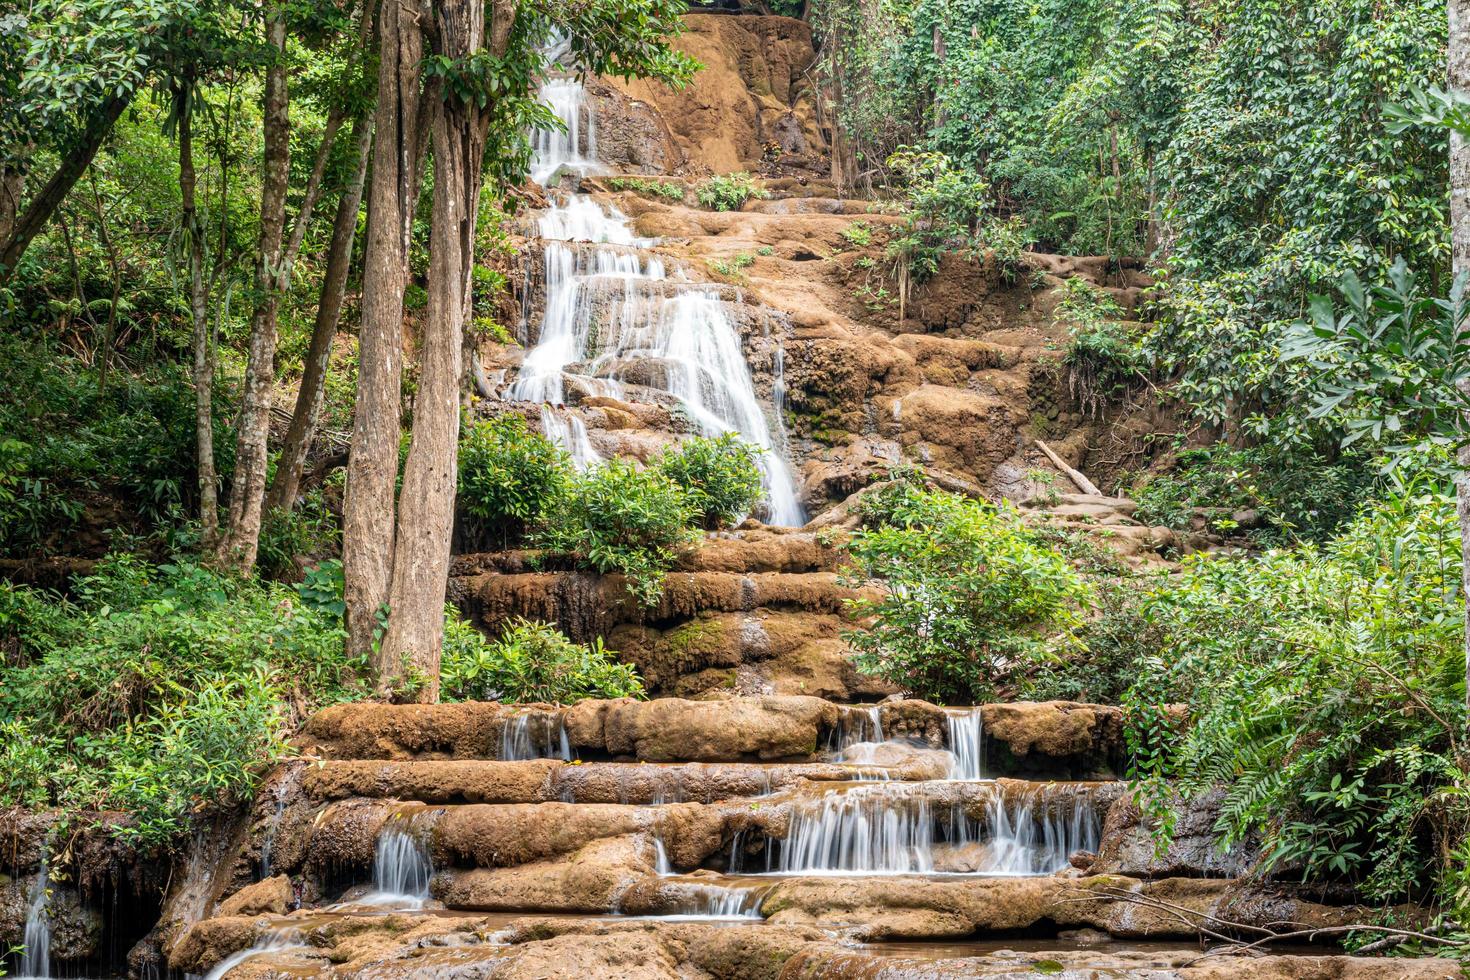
[(73, 164), (283, 491), (372, 466), (238, 546), (12, 187), (426, 507), (1459, 83), (199, 318)]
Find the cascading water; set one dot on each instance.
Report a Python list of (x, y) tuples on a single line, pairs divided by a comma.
[(894, 828), (402, 868), (35, 953), (1023, 842), (274, 941), (614, 319), (573, 149), (966, 743), (534, 736)]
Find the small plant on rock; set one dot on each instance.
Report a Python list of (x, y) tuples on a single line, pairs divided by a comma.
[(729, 192)]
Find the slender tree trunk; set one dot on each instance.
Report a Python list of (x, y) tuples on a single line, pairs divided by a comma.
[(237, 548), (372, 467), (73, 164), (283, 491), (426, 507), (199, 318), (109, 334), (1459, 83)]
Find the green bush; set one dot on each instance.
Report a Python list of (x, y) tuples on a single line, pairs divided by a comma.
[(529, 662), (162, 691), (729, 192), (721, 476), (1298, 497), (1324, 688), (510, 477), (973, 602), (624, 519), (69, 446), (307, 532)]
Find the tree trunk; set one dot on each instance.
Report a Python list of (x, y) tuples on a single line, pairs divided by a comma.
[(238, 546), (426, 508), (1459, 83), (284, 490), (199, 318), (372, 467), (73, 164)]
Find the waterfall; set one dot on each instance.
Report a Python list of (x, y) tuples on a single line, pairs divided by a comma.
[(661, 864), (35, 953), (615, 319), (534, 736), (570, 432), (966, 743), (1023, 842), (402, 869), (557, 151), (860, 831), (699, 900), (273, 941), (268, 843), (893, 828)]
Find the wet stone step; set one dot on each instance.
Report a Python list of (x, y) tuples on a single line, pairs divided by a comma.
[(1053, 739)]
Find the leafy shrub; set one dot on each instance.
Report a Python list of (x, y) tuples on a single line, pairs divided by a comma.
[(618, 517), (721, 476), (161, 691), (1006, 239), (972, 600), (309, 531), (529, 662), (729, 192), (1103, 664), (510, 477), (1102, 357), (945, 206), (1297, 496), (1325, 689), (68, 443)]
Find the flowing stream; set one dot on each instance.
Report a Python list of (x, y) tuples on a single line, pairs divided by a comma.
[(618, 323)]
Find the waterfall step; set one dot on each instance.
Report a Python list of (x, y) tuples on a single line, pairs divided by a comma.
[(1054, 739)]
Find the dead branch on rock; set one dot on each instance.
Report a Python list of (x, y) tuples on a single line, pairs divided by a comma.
[(1202, 923)]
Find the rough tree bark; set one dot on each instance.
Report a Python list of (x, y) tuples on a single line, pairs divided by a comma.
[(203, 375), (284, 490), (240, 540), (1459, 83), (426, 507), (372, 467), (29, 223)]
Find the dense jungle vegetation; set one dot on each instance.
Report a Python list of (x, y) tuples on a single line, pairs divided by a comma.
[(202, 202)]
